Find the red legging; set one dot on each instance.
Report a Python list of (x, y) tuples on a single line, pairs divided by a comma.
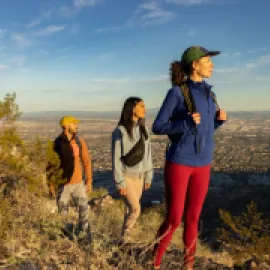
[(185, 191)]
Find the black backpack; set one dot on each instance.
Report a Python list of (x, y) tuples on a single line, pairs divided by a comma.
[(136, 153), (57, 145)]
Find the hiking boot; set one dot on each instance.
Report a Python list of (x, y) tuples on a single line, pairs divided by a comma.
[(84, 238), (84, 233), (68, 231)]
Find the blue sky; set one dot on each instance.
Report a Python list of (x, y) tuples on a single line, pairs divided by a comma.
[(92, 54)]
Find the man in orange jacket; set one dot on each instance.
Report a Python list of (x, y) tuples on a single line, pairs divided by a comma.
[(74, 158)]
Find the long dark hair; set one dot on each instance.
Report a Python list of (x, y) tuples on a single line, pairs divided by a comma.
[(126, 118), (178, 72)]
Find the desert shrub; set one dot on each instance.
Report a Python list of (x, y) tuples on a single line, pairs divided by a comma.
[(247, 235), (53, 169), (98, 192), (5, 221), (36, 151), (9, 109)]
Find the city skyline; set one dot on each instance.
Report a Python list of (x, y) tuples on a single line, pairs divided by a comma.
[(89, 55)]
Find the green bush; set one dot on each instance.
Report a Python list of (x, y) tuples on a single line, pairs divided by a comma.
[(246, 236), (54, 173), (9, 110)]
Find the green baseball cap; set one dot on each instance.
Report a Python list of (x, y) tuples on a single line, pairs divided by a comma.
[(195, 53)]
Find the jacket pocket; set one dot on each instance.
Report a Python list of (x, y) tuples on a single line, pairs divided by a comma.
[(187, 146)]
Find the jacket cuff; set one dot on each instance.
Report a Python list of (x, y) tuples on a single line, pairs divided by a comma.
[(120, 184), (148, 176)]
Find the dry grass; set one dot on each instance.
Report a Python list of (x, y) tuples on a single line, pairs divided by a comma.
[(32, 236), (31, 231)]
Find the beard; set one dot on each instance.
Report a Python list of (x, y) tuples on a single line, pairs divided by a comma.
[(73, 132)]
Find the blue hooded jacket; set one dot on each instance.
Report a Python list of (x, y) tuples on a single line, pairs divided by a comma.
[(191, 144)]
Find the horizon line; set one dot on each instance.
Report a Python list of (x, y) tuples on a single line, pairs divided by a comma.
[(78, 111)]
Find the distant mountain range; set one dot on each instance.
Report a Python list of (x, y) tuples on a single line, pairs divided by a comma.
[(115, 114), (94, 114)]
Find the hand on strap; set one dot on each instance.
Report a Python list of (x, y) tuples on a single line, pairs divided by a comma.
[(196, 117)]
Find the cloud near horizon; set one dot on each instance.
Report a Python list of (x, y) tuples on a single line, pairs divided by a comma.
[(3, 67), (262, 61)]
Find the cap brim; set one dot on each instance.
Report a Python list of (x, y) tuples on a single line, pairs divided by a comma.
[(213, 53)]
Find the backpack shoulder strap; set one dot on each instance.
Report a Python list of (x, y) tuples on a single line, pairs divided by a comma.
[(188, 97), (141, 133), (213, 96), (78, 142)]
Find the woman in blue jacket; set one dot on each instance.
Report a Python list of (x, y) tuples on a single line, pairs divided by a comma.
[(189, 156)]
